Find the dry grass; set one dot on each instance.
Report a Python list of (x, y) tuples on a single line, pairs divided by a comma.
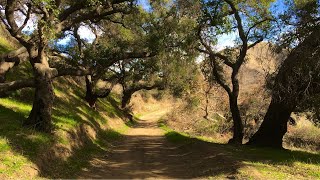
[(304, 135)]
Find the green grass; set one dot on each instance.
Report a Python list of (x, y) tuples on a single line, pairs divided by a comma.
[(21, 147), (5, 47), (174, 136), (267, 163), (17, 145)]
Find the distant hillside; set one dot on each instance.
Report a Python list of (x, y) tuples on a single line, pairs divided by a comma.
[(261, 61)]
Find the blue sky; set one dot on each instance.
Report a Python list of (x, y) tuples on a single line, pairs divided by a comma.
[(145, 4)]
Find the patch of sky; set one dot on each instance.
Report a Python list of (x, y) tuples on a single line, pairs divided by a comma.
[(145, 4), (278, 7), (226, 40), (85, 34)]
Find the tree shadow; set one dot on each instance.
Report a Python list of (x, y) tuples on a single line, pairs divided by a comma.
[(182, 157), (53, 160)]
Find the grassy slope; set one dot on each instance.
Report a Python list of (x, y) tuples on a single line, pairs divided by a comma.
[(254, 163), (81, 132)]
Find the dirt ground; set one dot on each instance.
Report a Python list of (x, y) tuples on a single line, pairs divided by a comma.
[(144, 153)]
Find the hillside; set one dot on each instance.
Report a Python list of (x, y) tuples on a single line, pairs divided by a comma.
[(80, 131)]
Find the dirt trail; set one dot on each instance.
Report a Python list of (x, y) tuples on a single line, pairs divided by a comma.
[(145, 153)]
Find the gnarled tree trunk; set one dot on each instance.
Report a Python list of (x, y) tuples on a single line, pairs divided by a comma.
[(298, 77), (40, 115), (274, 125), (92, 96)]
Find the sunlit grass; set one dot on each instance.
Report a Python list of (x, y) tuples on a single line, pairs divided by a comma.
[(20, 146), (5, 47), (16, 106), (173, 136), (266, 163)]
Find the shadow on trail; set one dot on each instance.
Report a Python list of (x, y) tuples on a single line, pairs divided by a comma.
[(155, 156)]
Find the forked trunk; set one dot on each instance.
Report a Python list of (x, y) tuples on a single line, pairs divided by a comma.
[(40, 115), (274, 126), (297, 78)]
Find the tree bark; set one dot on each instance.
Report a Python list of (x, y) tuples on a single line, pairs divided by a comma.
[(91, 98), (40, 115), (237, 122), (274, 126), (11, 59), (126, 98), (4, 68), (297, 79)]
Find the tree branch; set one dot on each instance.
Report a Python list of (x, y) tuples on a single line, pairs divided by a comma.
[(12, 26), (225, 59), (242, 35), (255, 43), (25, 21), (15, 85), (256, 24), (217, 76)]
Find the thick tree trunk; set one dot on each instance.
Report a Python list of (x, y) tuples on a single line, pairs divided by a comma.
[(40, 115), (297, 79), (274, 126), (125, 99), (237, 122)]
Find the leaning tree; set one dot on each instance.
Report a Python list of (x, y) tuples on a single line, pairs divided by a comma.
[(298, 78)]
